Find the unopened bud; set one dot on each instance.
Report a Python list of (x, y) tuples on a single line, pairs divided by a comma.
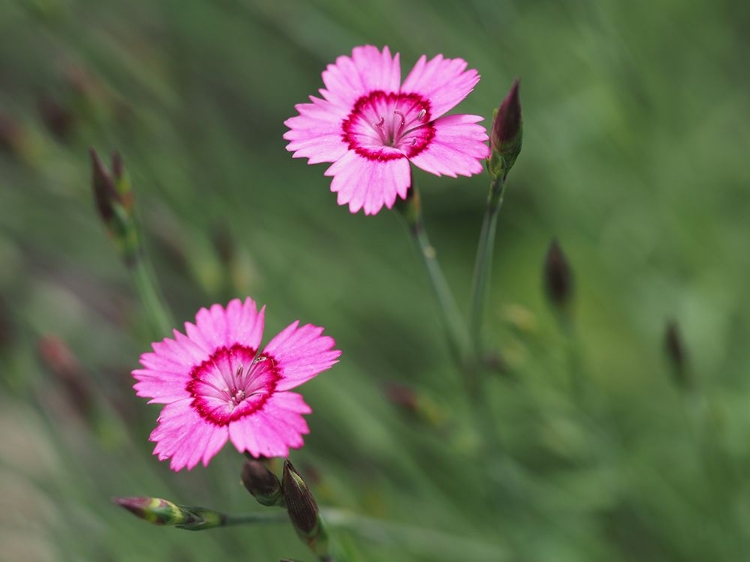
[(58, 119), (61, 361), (415, 403), (303, 511), (675, 351), (113, 196), (558, 277), (402, 396), (122, 182), (506, 135), (262, 483), (105, 193), (166, 513)]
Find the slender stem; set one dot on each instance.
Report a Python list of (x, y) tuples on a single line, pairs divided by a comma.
[(458, 337), (482, 268), (483, 264), (253, 518), (144, 279)]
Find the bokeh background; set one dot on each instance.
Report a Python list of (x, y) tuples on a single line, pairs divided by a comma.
[(635, 158)]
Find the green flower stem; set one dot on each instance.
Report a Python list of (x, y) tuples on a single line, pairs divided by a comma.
[(483, 264), (457, 335), (482, 411), (428, 541), (255, 518), (144, 279)]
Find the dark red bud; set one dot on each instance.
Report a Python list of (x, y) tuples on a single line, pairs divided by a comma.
[(558, 276), (675, 350), (261, 483), (507, 124), (105, 193), (58, 119)]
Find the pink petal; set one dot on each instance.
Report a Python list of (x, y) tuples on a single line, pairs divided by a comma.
[(445, 82), (292, 422), (290, 401), (240, 322), (369, 184), (316, 132), (289, 427), (458, 148), (301, 353), (184, 437), (256, 435), (176, 355), (161, 387), (368, 69)]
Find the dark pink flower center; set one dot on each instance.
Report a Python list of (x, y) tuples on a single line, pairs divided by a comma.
[(233, 383), (389, 126)]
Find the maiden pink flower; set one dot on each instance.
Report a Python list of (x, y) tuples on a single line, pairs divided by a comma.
[(370, 126), (217, 385)]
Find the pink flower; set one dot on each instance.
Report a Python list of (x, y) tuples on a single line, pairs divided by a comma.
[(371, 126), (218, 385)]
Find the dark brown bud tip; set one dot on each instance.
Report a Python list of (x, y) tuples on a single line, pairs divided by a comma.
[(261, 483), (63, 364), (105, 193), (558, 277), (675, 350), (58, 119), (402, 396), (300, 503)]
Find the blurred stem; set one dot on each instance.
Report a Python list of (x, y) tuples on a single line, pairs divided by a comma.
[(253, 518), (458, 337), (482, 269), (428, 541), (576, 376), (144, 279), (483, 264)]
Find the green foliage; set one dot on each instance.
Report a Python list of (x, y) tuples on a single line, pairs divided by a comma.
[(634, 158)]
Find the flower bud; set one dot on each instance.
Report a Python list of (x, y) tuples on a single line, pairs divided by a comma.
[(58, 119), (262, 483), (675, 351), (105, 193), (166, 513), (64, 365), (113, 196), (506, 135), (122, 182), (303, 511), (415, 403), (558, 277)]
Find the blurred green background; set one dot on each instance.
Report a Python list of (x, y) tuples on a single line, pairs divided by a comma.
[(635, 158)]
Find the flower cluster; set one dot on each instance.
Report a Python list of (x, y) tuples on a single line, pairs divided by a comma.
[(216, 382)]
